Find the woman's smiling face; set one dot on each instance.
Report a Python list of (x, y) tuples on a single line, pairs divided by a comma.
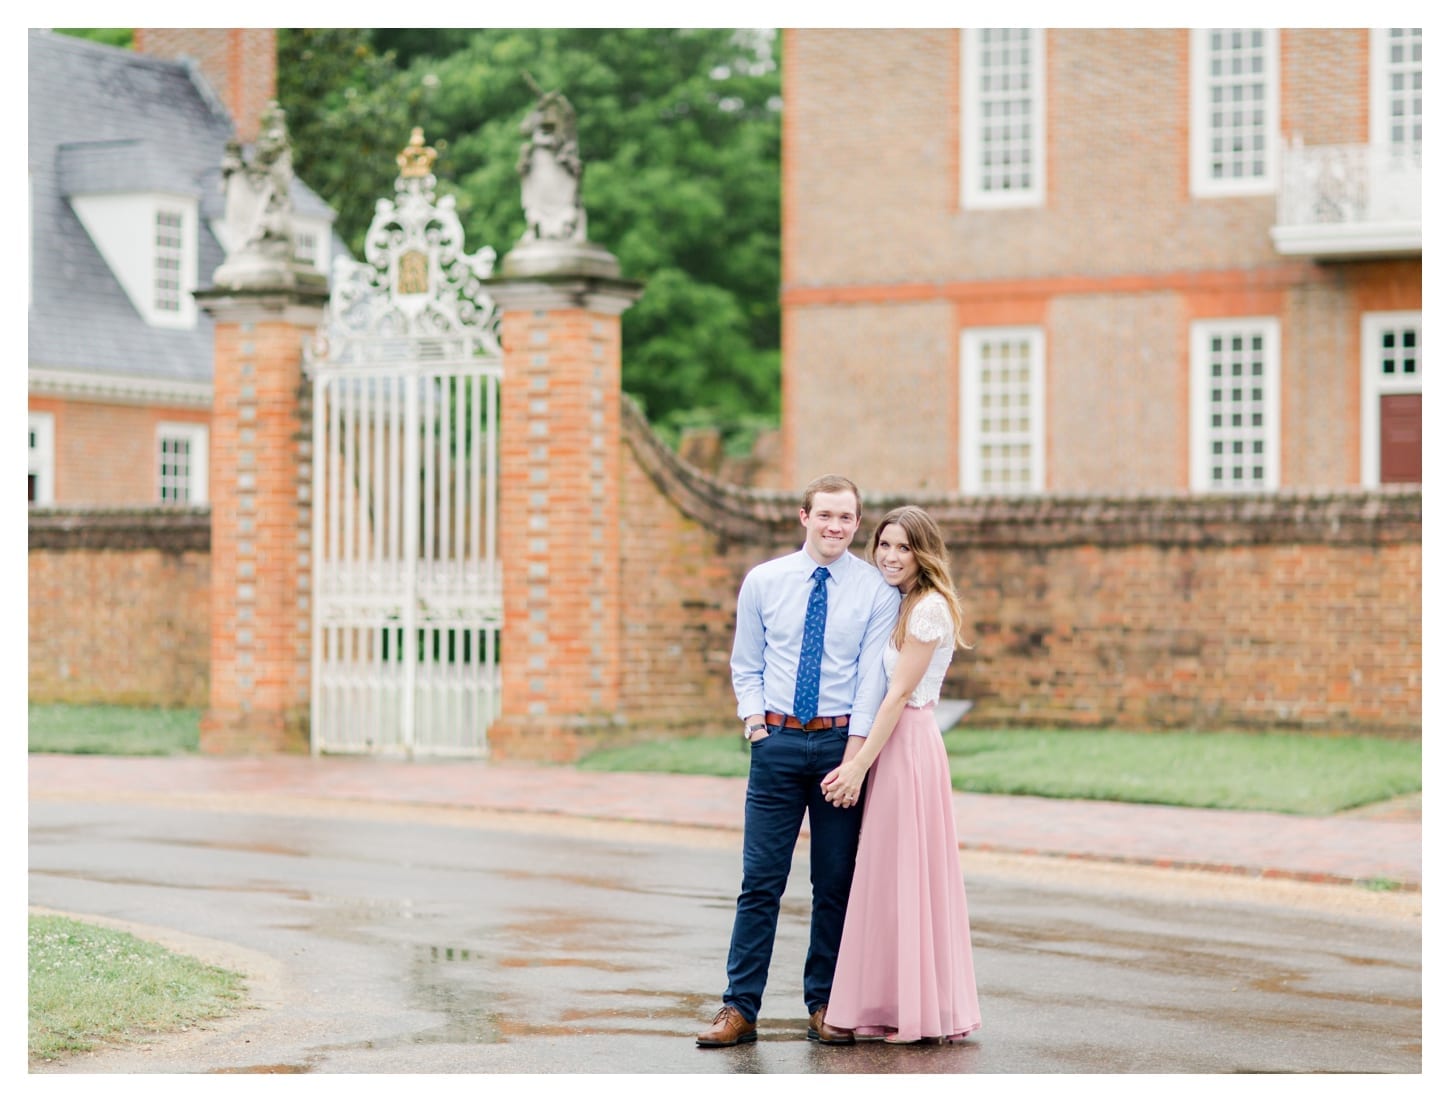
[(894, 558)]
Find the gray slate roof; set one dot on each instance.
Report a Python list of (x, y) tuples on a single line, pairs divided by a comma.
[(107, 117)]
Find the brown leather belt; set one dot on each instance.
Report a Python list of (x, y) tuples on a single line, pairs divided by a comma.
[(820, 723)]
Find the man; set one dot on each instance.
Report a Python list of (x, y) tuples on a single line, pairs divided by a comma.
[(809, 633)]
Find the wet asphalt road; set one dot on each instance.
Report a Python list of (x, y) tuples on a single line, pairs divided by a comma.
[(386, 946)]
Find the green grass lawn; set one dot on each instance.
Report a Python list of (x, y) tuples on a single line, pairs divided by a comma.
[(113, 729), (1294, 773), (90, 986)]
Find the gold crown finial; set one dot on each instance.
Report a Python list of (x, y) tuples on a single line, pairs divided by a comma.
[(417, 159)]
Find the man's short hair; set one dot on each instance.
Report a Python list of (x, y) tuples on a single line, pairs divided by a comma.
[(829, 484)]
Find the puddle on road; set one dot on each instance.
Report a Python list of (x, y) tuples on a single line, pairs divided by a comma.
[(140, 882), (271, 849), (607, 884)]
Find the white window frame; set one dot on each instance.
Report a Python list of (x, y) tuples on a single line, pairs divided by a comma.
[(304, 249), (973, 195), (320, 252), (1201, 181), (1373, 383), (1380, 97), (197, 438), (969, 414), (1200, 432), (167, 298), (42, 457)]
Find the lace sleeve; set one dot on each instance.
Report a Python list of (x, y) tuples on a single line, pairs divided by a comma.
[(931, 620)]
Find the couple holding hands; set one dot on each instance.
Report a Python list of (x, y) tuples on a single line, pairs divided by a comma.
[(836, 666)]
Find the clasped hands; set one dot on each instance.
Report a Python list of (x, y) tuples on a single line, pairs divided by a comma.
[(842, 785)]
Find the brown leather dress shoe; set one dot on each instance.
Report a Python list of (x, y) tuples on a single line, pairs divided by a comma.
[(730, 1028), (828, 1034)]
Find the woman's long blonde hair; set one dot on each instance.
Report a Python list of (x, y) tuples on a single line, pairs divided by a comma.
[(933, 564)]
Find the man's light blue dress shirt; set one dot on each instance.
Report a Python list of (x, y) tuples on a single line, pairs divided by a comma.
[(770, 617)]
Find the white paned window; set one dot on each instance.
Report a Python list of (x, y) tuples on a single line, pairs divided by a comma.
[(304, 247), (1234, 140), (1396, 103), (170, 251), (1001, 414), (1234, 419), (1003, 118), (42, 458), (181, 464), (1391, 363)]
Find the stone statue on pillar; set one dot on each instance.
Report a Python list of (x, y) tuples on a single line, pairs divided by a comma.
[(551, 171), (555, 238), (258, 220)]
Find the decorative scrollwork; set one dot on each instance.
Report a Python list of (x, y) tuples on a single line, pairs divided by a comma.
[(416, 281)]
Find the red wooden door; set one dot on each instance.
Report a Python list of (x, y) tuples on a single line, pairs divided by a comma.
[(1399, 438)]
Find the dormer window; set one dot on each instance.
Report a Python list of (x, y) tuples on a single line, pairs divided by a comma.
[(170, 252), (150, 243), (306, 247), (311, 241), (142, 217)]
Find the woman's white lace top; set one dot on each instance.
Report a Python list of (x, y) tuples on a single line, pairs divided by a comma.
[(930, 622)]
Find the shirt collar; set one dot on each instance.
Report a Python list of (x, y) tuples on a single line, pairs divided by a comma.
[(808, 564)]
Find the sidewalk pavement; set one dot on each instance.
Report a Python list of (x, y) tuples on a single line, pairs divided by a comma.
[(1338, 849)]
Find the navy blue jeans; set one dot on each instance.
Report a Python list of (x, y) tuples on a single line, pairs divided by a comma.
[(786, 768)]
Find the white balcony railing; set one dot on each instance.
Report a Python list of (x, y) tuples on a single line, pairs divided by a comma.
[(1348, 200)]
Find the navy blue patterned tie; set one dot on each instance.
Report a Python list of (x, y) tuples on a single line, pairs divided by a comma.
[(813, 645)]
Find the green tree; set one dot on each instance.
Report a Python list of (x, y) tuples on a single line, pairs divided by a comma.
[(348, 114), (680, 135)]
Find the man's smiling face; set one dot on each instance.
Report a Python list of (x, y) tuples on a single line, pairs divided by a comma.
[(830, 525)]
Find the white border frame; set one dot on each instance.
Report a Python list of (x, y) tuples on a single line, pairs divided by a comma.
[(970, 194), (199, 473), (1198, 460), (970, 363), (1199, 182), (41, 462), (1372, 385)]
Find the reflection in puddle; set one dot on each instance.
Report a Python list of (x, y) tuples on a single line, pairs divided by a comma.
[(274, 849), (264, 1069), (564, 962)]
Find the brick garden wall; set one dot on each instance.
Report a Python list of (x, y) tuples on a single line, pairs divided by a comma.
[(119, 606), (1289, 611), (1285, 611)]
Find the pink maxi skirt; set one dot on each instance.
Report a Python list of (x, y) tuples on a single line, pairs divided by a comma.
[(905, 965)]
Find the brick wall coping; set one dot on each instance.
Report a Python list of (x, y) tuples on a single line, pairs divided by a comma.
[(171, 528), (1390, 515), (1351, 516)]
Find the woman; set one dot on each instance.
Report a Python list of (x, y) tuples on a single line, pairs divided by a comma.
[(905, 967)]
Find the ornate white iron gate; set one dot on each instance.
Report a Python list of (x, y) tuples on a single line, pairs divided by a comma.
[(407, 599)]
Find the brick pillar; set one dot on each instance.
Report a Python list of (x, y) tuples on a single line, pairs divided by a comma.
[(260, 479), (559, 520)]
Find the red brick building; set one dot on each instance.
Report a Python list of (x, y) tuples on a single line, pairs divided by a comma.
[(1063, 261)]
